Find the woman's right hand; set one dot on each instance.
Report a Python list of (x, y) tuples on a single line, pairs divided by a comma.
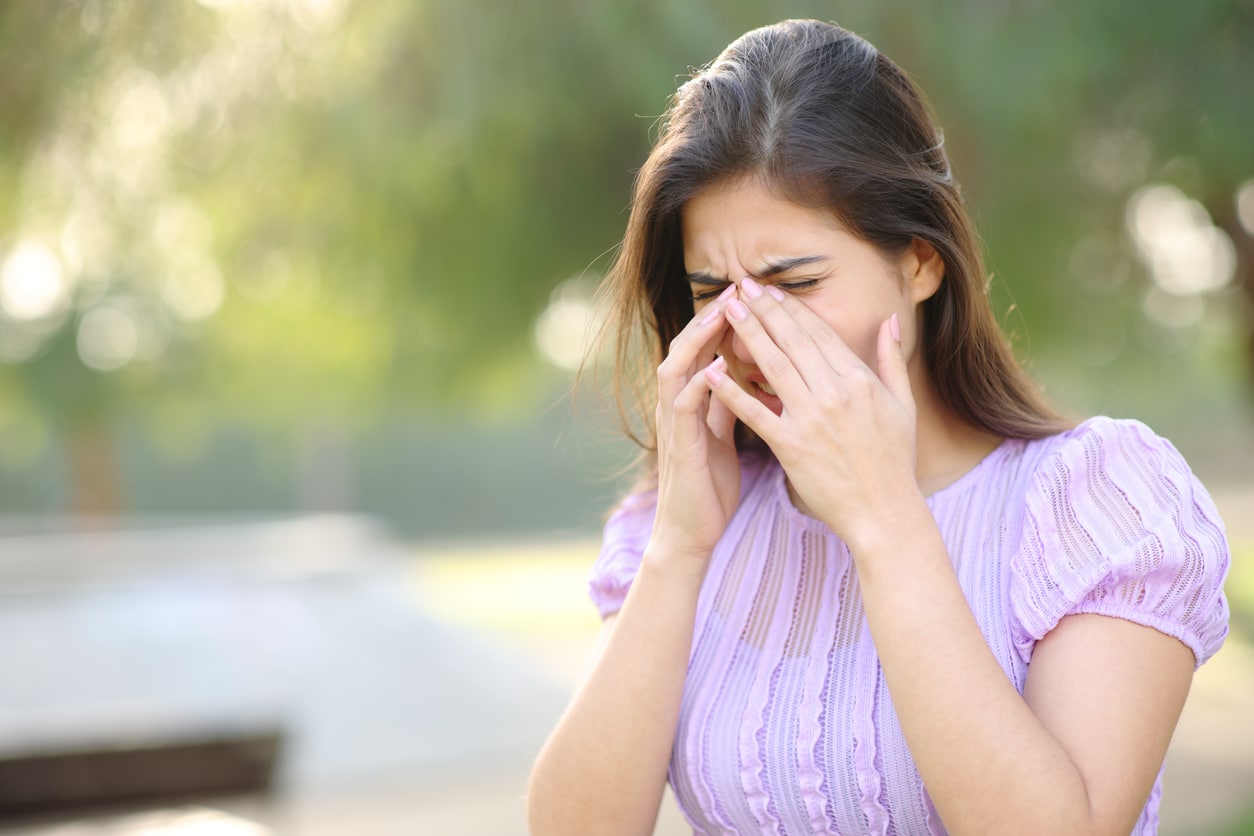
[(698, 471)]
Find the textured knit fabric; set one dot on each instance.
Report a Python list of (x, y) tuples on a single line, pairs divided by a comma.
[(787, 726)]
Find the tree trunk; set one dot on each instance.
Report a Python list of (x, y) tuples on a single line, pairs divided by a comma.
[(95, 480), (1224, 213)]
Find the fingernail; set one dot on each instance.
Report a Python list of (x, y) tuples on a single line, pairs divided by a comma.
[(776, 293), (737, 310), (714, 371), (751, 288), (728, 292), (894, 327)]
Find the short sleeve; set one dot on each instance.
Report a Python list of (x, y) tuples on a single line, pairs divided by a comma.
[(627, 532), (1116, 524)]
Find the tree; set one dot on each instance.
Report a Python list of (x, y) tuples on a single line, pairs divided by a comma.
[(310, 213)]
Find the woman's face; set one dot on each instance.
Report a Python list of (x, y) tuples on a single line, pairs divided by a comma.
[(740, 228)]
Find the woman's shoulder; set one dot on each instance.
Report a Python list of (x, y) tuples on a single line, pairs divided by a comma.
[(1120, 455), (1115, 522), (1103, 429), (1114, 477)]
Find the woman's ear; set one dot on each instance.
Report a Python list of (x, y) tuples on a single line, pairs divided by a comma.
[(923, 269)]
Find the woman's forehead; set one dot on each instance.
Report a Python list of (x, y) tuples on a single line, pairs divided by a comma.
[(758, 224)]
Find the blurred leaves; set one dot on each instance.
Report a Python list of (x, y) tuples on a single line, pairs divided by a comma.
[(323, 211)]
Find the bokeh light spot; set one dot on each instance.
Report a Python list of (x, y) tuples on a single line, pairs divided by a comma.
[(564, 330), (195, 291), (1245, 206), (108, 338), (33, 283), (1175, 238)]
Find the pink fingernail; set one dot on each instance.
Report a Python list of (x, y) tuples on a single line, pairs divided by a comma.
[(728, 292), (894, 327), (751, 288), (737, 310), (775, 292), (714, 371)]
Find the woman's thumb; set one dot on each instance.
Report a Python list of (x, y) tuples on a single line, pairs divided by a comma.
[(892, 362)]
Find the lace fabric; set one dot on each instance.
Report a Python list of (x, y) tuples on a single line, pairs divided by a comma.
[(786, 724)]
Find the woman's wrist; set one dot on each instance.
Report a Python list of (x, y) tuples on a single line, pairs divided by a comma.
[(882, 535), (681, 564)]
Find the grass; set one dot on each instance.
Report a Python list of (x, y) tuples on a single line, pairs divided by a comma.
[(531, 595), (1243, 827), (1240, 591), (1240, 588)]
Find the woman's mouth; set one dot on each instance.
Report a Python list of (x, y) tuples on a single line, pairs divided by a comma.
[(765, 393)]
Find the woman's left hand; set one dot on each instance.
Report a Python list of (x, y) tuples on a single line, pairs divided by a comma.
[(846, 435)]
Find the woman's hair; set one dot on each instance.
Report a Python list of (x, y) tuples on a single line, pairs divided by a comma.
[(823, 119)]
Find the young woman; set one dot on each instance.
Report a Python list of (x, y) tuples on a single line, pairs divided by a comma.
[(871, 583)]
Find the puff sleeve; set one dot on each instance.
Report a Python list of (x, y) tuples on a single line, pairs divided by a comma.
[(1116, 524), (627, 532)]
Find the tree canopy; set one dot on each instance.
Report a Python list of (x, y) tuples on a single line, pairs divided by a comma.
[(280, 212)]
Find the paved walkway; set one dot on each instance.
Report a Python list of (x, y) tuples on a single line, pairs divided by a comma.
[(417, 690), (313, 626)]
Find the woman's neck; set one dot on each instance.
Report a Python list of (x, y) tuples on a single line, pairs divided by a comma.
[(947, 447)]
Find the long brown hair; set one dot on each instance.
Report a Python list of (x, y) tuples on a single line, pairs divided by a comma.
[(819, 115)]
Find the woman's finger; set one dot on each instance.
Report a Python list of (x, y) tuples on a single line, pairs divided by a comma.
[(689, 428), (774, 359), (750, 410), (693, 399), (692, 348), (720, 419), (893, 371), (783, 316)]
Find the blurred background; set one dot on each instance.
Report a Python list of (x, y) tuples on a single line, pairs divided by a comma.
[(295, 502)]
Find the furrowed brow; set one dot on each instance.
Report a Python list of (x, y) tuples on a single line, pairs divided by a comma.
[(783, 265), (772, 268), (702, 277)]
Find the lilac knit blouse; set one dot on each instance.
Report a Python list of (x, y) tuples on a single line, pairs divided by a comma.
[(787, 726)]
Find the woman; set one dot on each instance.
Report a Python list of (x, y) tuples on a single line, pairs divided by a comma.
[(872, 582)]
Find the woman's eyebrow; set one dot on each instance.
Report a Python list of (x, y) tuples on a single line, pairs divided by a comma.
[(703, 277), (783, 265), (772, 268)]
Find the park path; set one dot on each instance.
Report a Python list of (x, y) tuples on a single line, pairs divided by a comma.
[(421, 680)]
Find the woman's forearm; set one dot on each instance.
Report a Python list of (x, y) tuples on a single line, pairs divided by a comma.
[(603, 770), (984, 756)]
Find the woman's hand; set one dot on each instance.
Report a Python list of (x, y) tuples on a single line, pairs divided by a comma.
[(698, 472), (846, 437)]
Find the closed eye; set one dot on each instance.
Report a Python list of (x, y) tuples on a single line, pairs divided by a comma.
[(709, 294), (800, 284)]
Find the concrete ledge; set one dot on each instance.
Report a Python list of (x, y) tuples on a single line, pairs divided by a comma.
[(37, 783)]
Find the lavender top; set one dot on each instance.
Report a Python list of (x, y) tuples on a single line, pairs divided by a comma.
[(786, 724)]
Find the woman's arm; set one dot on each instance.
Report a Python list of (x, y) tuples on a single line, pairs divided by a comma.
[(1076, 754), (603, 770)]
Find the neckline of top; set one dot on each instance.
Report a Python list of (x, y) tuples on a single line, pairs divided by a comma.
[(779, 485), (990, 456)]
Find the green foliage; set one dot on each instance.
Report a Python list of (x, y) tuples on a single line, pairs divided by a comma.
[(383, 194), (1240, 587), (1243, 827)]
